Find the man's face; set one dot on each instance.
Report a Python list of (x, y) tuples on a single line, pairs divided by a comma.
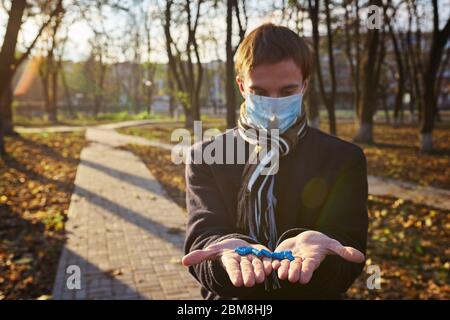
[(275, 80)]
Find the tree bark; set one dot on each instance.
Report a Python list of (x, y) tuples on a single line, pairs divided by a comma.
[(312, 104), (371, 66), (400, 74), (187, 74), (327, 100), (429, 102), (8, 61), (353, 59), (230, 92)]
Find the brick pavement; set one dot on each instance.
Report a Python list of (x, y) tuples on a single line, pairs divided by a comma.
[(124, 233)]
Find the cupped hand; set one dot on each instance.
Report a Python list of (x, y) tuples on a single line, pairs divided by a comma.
[(309, 249), (242, 270)]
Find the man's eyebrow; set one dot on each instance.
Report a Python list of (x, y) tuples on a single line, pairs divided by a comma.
[(290, 86), (253, 87)]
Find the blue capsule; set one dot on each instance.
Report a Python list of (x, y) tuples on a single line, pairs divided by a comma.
[(266, 253), (281, 255), (243, 251)]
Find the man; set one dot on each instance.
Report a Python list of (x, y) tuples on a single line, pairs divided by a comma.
[(313, 204)]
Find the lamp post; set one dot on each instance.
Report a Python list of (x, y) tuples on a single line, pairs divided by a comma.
[(148, 84)]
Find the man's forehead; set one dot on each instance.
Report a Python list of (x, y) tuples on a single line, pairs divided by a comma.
[(281, 73)]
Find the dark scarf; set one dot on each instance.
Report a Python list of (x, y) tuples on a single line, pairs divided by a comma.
[(256, 200)]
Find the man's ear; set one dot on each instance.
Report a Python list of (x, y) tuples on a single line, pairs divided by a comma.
[(306, 84), (240, 83)]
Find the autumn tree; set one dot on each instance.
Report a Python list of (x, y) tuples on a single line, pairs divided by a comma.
[(370, 70), (329, 97), (430, 67), (233, 11), (184, 56), (9, 62), (50, 68)]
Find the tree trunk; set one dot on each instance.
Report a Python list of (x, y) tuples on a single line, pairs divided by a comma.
[(8, 62), (67, 94), (7, 59), (171, 93), (52, 110), (2, 140), (230, 92), (312, 104), (187, 79), (371, 66), (400, 79), (385, 107), (8, 126), (189, 119), (330, 104), (429, 101)]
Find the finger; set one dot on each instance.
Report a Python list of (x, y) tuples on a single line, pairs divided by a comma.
[(198, 256), (248, 274), (267, 263), (276, 264), (308, 267), (283, 271), (294, 270), (233, 269), (348, 253), (258, 268)]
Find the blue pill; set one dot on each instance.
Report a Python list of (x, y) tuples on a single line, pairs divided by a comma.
[(266, 253), (243, 250), (281, 255)]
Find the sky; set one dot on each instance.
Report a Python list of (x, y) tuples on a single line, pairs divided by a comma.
[(117, 24)]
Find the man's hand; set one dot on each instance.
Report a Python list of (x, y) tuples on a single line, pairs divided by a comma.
[(242, 270), (309, 249)]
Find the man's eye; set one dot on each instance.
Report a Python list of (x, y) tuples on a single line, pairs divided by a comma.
[(259, 93)]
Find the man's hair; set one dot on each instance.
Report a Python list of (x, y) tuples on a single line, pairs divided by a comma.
[(269, 44)]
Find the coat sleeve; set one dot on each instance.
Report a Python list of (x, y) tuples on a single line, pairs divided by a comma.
[(343, 217), (209, 223)]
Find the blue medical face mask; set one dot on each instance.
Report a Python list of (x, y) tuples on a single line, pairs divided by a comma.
[(273, 113)]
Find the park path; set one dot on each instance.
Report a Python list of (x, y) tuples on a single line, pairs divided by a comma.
[(430, 196), (115, 125), (123, 232)]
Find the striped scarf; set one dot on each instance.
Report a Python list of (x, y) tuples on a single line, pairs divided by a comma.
[(256, 199)]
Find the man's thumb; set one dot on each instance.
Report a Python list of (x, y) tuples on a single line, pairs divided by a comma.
[(198, 256), (348, 253)]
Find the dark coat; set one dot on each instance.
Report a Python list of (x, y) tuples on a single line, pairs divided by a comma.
[(321, 185)]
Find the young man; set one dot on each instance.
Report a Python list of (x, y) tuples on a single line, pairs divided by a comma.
[(314, 206)]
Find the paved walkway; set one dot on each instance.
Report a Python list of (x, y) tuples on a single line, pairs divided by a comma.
[(124, 234), (115, 125), (430, 196)]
